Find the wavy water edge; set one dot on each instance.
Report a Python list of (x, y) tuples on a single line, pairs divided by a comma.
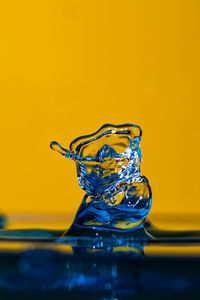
[(150, 234)]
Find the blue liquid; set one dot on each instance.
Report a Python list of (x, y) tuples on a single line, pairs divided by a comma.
[(118, 197), (112, 265)]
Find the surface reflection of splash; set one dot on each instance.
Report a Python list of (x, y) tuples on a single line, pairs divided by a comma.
[(99, 264), (94, 264), (117, 196), (88, 273)]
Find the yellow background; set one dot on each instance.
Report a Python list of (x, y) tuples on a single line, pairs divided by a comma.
[(67, 67)]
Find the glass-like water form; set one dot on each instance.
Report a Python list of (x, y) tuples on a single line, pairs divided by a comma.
[(118, 197)]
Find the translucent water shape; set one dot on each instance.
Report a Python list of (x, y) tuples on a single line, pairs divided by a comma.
[(118, 197)]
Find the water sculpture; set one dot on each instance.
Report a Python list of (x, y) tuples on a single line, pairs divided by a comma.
[(118, 198)]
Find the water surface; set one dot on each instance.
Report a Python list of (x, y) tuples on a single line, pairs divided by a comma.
[(155, 261)]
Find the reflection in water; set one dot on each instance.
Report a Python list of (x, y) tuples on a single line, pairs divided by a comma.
[(111, 266), (110, 273), (96, 264)]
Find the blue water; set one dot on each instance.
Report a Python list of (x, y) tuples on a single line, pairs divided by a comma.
[(108, 162), (113, 265)]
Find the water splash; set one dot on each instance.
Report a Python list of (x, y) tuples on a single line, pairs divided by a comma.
[(117, 196)]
